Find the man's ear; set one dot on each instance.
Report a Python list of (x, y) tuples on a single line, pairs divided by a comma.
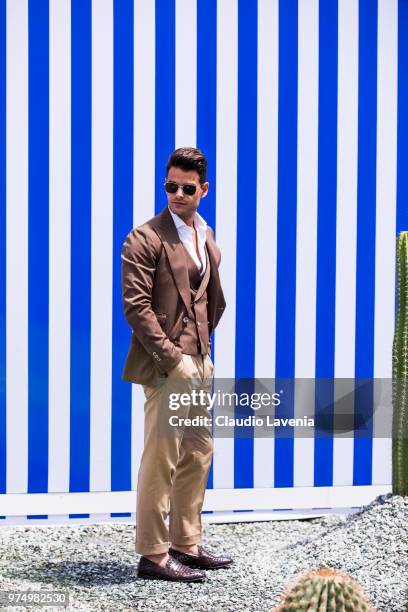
[(205, 186)]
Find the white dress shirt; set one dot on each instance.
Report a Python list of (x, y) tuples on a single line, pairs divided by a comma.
[(186, 237)]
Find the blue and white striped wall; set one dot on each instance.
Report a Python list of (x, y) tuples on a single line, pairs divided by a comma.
[(300, 107)]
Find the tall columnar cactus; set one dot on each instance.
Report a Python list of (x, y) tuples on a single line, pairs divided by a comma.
[(324, 590), (400, 374)]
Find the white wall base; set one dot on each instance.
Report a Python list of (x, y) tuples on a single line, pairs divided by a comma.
[(224, 500), (213, 517)]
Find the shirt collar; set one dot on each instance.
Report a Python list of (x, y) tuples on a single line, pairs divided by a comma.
[(178, 221)]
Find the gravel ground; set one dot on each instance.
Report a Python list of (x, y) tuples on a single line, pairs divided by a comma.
[(96, 564)]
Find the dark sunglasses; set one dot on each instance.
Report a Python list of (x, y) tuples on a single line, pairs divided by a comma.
[(188, 188)]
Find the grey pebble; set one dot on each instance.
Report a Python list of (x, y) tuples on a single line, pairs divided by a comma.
[(96, 564)]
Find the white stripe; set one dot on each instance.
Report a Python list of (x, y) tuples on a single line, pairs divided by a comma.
[(306, 228), (226, 214), (266, 229), (101, 258), (382, 432), (186, 73), (144, 111), (17, 245), (138, 400), (143, 168), (346, 239), (387, 95), (267, 187), (59, 245)]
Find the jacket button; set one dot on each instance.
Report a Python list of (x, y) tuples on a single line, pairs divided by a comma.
[(186, 320)]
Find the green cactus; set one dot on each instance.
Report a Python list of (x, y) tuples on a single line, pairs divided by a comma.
[(324, 590), (400, 374)]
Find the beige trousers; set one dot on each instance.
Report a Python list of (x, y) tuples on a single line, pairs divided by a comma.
[(174, 468)]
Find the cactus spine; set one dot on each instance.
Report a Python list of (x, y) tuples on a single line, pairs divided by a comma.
[(324, 590), (400, 374)]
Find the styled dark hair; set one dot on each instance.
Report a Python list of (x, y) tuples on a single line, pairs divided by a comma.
[(188, 158)]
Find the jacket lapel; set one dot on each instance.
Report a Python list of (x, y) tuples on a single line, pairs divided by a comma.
[(167, 231)]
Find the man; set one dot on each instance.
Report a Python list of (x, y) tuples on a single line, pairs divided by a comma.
[(173, 301)]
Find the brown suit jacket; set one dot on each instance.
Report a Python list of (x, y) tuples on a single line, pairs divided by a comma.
[(156, 296)]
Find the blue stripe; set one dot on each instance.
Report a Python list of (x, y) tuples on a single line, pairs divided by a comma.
[(165, 94), (402, 152), (286, 234), (38, 256), (81, 118), (3, 367), (121, 454), (326, 231), (37, 516), (246, 230), (206, 114), (75, 516), (366, 204), (119, 514)]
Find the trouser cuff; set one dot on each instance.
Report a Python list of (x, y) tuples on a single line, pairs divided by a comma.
[(186, 540), (151, 549)]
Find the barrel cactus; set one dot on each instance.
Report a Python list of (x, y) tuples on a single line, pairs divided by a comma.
[(324, 590), (400, 374)]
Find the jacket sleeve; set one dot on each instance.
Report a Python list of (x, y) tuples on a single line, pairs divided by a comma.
[(139, 260)]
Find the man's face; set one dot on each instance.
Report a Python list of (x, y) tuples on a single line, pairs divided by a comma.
[(179, 203)]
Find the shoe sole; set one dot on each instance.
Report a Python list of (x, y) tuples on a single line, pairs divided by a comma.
[(149, 577), (216, 567)]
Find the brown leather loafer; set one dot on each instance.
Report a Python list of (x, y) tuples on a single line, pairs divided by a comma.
[(204, 559), (173, 570)]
